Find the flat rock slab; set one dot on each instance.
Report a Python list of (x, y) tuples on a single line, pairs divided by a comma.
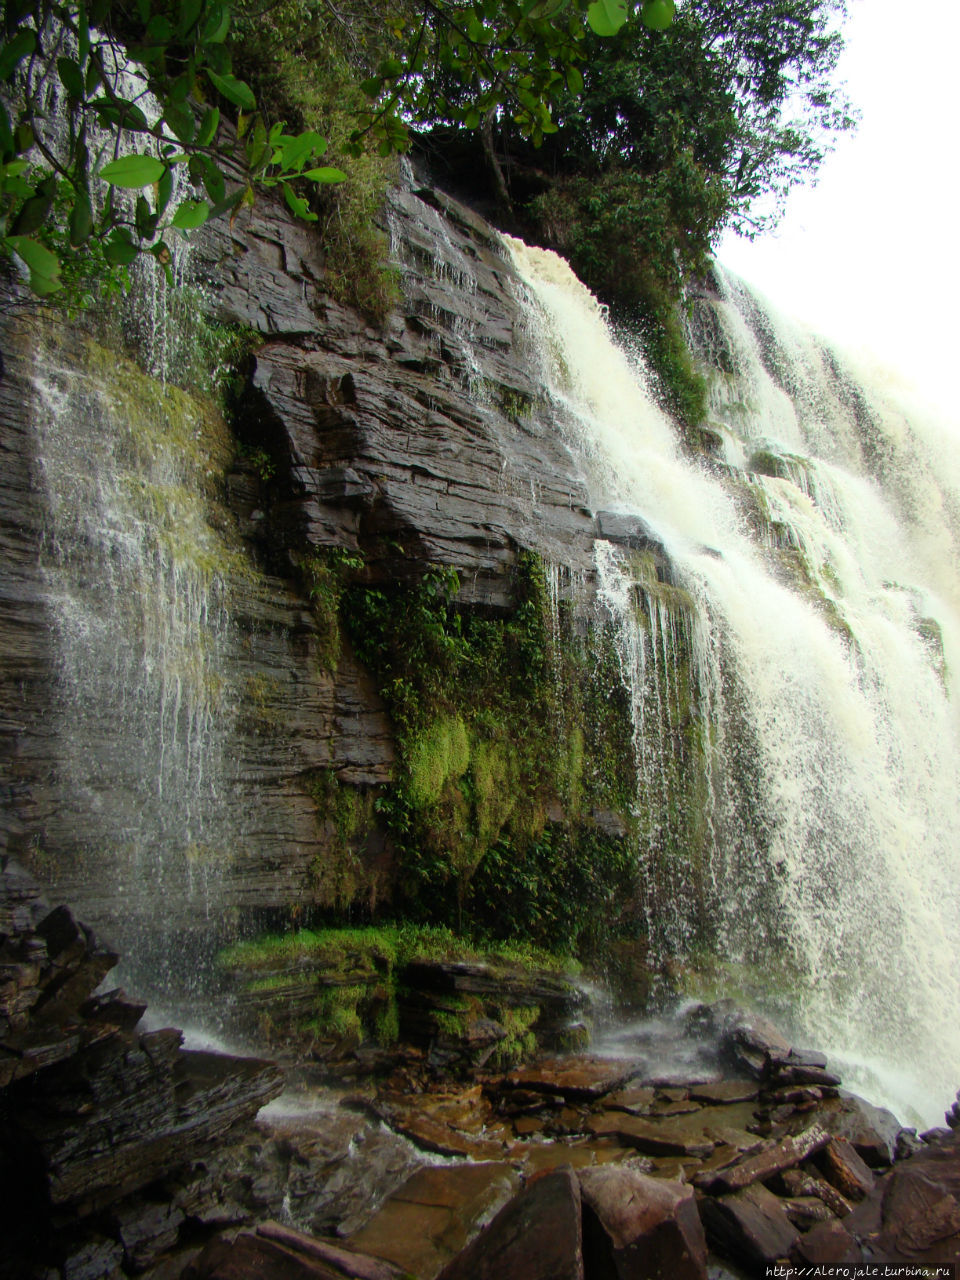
[(539, 1157), (354, 1265), (536, 1236), (442, 1139), (751, 1226), (249, 1255), (635, 1099), (725, 1091), (579, 1077), (654, 1138), (640, 1228), (428, 1220), (773, 1159)]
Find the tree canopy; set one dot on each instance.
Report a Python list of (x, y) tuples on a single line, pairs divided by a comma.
[(103, 96)]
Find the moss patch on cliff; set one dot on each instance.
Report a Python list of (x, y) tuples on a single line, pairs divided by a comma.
[(510, 729), (349, 984)]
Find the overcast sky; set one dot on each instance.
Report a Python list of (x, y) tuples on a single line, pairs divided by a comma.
[(870, 256)]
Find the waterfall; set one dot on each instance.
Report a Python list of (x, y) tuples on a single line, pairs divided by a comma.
[(136, 570), (818, 557)]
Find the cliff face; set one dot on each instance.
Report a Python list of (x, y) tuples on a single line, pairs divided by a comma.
[(403, 447)]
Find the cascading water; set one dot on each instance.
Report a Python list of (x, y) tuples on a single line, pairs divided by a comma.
[(136, 576), (818, 562)]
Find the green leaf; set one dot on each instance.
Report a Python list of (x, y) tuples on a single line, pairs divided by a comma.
[(213, 181), (121, 114), (33, 214), (143, 9), (326, 174), (164, 190), (179, 90), (208, 127), (44, 266), (297, 203), (133, 171), (606, 17), (120, 249), (217, 25), (13, 52), (81, 220), (144, 219), (190, 11), (472, 119), (190, 215), (83, 34), (234, 90), (294, 152), (23, 138), (181, 121), (372, 86), (6, 133), (574, 80), (159, 30), (657, 14)]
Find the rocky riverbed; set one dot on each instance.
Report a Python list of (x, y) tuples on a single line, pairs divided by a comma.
[(710, 1147)]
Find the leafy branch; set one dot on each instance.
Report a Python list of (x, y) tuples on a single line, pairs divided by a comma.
[(143, 88)]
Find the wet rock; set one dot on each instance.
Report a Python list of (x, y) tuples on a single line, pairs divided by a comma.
[(773, 1159), (651, 1137), (92, 1113), (639, 1228), (145, 1229), (575, 1078), (750, 1226), (348, 1263), (843, 1168), (806, 1211), (428, 986), (786, 1075), (724, 1091), (921, 1204), (636, 1100), (440, 1138), (249, 1255), (801, 1182), (873, 1131), (627, 530), (908, 1143), (828, 1244), (428, 1220), (536, 1236), (753, 1044)]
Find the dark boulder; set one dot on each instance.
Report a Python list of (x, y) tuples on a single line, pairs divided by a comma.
[(640, 1228)]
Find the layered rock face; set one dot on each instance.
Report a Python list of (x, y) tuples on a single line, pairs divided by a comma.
[(103, 1130), (414, 445)]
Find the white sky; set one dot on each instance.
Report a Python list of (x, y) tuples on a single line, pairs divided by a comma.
[(870, 255)]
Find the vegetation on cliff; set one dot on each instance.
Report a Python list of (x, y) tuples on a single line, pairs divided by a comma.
[(623, 144)]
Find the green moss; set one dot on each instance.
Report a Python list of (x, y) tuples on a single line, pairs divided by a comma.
[(295, 54), (354, 974), (345, 815), (437, 755), (326, 574)]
